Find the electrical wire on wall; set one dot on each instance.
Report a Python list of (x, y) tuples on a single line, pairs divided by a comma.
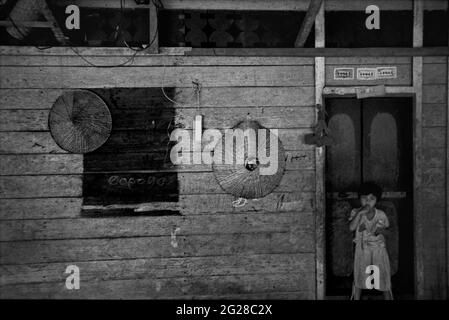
[(158, 5)]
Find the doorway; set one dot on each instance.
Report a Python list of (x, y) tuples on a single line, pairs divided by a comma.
[(373, 141)]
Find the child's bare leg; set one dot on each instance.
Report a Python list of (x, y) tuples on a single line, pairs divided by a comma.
[(387, 295), (357, 293)]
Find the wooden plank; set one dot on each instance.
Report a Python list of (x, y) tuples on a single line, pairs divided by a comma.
[(42, 142), (140, 119), (320, 79), (361, 61), (434, 73), (187, 183), (308, 22), (447, 179), (322, 52), (404, 76), (84, 228), (30, 24), (418, 142), (90, 77), (434, 137), (434, 114), (153, 32), (225, 97), (177, 288), (46, 251), (265, 5), (55, 57), (157, 268), (89, 51), (434, 93), (49, 208), (351, 91), (41, 164)]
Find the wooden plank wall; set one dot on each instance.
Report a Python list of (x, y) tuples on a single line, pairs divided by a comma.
[(265, 249), (434, 184)]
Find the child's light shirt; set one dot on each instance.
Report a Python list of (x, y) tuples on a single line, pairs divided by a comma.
[(368, 236)]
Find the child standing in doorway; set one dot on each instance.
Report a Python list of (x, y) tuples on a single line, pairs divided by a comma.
[(369, 224)]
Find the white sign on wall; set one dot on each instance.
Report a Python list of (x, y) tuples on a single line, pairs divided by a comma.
[(343, 73), (366, 73)]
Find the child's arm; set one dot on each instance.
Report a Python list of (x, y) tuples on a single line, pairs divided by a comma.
[(382, 225), (355, 219)]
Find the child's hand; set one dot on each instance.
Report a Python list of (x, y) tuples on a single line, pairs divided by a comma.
[(362, 227)]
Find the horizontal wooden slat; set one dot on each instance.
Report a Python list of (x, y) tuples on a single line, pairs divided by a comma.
[(188, 287), (13, 230), (284, 5), (269, 117), (362, 61), (46, 251), (210, 97), (404, 76), (140, 59), (434, 93), (188, 183), (333, 91), (434, 74), (38, 164), (157, 268), (42, 142), (48, 208), (90, 77), (323, 52)]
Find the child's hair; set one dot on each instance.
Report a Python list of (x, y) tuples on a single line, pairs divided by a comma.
[(370, 187)]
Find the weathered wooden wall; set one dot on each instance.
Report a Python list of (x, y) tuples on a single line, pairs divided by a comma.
[(434, 178), (265, 249)]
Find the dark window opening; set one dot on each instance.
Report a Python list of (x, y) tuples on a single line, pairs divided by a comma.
[(347, 29)]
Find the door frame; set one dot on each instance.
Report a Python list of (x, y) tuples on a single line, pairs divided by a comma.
[(414, 92)]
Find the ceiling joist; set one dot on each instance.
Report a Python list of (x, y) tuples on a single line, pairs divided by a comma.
[(258, 5)]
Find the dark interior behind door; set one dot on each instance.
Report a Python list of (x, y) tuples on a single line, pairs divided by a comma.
[(373, 141)]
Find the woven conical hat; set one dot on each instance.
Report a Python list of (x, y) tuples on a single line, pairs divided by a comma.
[(80, 121), (245, 180)]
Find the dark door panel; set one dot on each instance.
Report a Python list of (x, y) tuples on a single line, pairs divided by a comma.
[(373, 142)]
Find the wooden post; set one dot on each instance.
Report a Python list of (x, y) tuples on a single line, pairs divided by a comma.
[(417, 141), (320, 159), (447, 179), (308, 21), (154, 30)]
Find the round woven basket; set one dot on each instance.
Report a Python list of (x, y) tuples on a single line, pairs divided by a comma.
[(245, 180), (80, 121)]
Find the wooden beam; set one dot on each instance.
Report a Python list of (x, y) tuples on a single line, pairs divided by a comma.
[(31, 24), (418, 17), (254, 5), (154, 29), (57, 31), (307, 23), (447, 181), (320, 157), (322, 52), (351, 91)]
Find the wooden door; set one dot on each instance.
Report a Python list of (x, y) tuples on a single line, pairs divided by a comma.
[(373, 142)]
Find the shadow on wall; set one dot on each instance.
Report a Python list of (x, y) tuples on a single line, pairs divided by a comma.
[(132, 167)]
